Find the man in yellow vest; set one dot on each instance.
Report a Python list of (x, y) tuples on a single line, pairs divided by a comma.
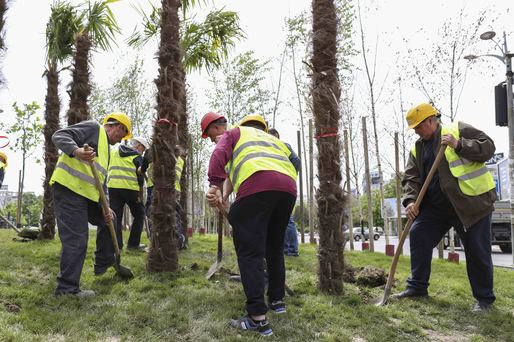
[(76, 198), (460, 195), (124, 185), (264, 181), (147, 169), (3, 166)]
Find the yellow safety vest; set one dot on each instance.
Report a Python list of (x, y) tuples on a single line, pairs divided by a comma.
[(179, 166), (473, 177), (122, 172), (149, 175), (258, 151), (2, 165), (76, 174)]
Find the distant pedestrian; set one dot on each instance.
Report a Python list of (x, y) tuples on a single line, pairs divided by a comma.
[(3, 166)]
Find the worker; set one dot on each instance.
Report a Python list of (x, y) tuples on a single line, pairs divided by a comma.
[(291, 237), (264, 181), (125, 187), (147, 169), (3, 166), (460, 195), (76, 198)]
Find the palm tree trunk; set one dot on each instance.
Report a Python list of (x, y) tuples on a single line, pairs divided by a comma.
[(325, 96), (163, 254), (52, 109), (3, 9), (80, 86), (183, 141)]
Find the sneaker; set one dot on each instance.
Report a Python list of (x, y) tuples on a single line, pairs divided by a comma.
[(278, 306), (481, 307), (246, 323), (140, 248)]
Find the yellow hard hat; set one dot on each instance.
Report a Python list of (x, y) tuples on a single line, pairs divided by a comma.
[(254, 117), (4, 157), (419, 113), (123, 119)]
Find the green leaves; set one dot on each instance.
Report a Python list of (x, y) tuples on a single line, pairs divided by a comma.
[(207, 44), (101, 24), (63, 24)]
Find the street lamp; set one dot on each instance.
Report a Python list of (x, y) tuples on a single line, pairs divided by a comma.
[(506, 58)]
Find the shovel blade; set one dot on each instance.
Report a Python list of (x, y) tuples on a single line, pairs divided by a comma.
[(385, 298), (122, 271), (214, 267)]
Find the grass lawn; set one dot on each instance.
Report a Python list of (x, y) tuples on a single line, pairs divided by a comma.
[(187, 307)]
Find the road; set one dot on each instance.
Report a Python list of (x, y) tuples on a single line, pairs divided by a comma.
[(499, 259)]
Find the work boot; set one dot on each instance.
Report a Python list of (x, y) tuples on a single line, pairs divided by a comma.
[(140, 248), (247, 323), (481, 307), (79, 294), (411, 293), (99, 269), (279, 306)]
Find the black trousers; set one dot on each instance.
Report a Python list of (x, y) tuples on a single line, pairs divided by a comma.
[(429, 228), (73, 212), (118, 198), (259, 222)]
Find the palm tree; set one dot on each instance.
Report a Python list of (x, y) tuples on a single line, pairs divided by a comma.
[(3, 9), (98, 28), (170, 89), (325, 96), (60, 29), (205, 45)]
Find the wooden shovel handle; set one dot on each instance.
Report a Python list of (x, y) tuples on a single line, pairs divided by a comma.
[(406, 229), (103, 202)]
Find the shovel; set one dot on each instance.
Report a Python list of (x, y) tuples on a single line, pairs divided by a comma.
[(406, 229), (214, 267), (122, 271), (27, 233)]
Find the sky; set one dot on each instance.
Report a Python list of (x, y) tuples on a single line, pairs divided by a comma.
[(263, 23)]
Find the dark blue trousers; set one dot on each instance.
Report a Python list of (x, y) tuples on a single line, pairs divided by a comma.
[(429, 228), (259, 222), (73, 212)]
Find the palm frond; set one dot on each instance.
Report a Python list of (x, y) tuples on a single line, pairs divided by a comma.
[(62, 25), (207, 44), (151, 24), (188, 4), (101, 24)]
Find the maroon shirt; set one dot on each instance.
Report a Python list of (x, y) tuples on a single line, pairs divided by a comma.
[(258, 182)]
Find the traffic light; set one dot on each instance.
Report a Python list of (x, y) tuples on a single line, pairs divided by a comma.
[(500, 101)]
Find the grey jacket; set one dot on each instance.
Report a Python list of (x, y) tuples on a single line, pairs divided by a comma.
[(475, 145)]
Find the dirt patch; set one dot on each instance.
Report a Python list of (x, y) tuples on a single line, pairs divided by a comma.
[(369, 276), (12, 308)]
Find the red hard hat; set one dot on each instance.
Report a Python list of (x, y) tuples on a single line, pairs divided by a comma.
[(207, 120)]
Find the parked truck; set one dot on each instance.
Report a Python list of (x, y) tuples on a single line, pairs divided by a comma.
[(500, 226)]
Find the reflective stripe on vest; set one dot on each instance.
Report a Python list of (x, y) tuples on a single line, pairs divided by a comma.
[(258, 151), (76, 174), (473, 177), (149, 175), (179, 166), (122, 172)]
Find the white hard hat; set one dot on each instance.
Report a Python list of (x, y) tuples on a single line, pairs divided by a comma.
[(142, 141)]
